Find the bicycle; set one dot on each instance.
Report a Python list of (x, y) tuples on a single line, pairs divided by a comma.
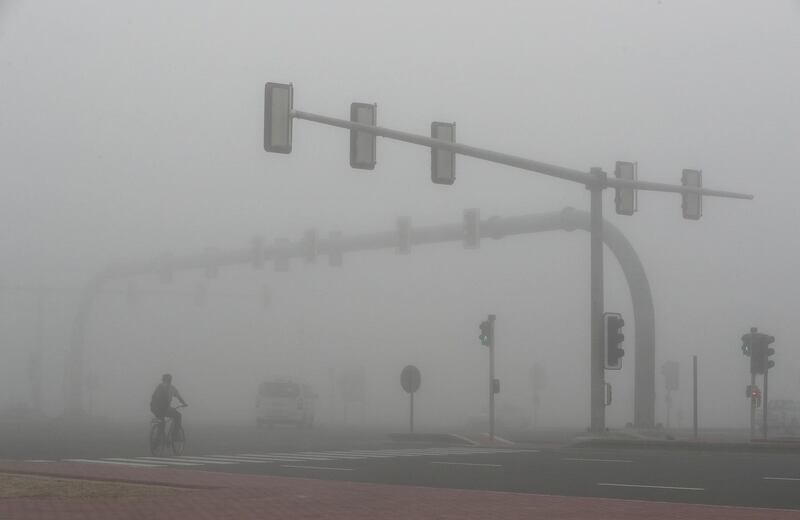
[(161, 436)]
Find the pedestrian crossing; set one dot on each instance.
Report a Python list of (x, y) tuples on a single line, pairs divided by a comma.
[(285, 458)]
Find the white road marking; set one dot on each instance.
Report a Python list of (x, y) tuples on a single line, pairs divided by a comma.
[(366, 455), (465, 439), (169, 460), (306, 456), (117, 463), (283, 456), (597, 460), (468, 464), (139, 461), (38, 460), (335, 454), (505, 441), (258, 460), (316, 467), (220, 460), (650, 487), (278, 458), (780, 478)]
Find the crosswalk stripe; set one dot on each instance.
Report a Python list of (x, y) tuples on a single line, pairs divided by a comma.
[(286, 456), (301, 456), (220, 460), (183, 459), (97, 461), (336, 454), (279, 458), (363, 455), (243, 458), (139, 461)]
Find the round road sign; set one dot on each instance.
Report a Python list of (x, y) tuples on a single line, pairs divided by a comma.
[(410, 379)]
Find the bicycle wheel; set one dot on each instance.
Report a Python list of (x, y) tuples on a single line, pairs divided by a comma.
[(156, 440), (177, 439)]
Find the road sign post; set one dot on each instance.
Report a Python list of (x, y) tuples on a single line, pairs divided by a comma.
[(410, 379), (752, 405), (538, 376), (765, 406), (487, 340), (694, 396)]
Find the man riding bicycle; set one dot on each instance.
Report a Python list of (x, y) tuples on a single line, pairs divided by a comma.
[(161, 402)]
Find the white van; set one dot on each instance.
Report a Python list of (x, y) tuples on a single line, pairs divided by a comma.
[(281, 401)]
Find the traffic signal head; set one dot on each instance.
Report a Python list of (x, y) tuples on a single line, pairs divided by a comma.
[(362, 144), (761, 352), (278, 100), (486, 333), (768, 351), (625, 198), (310, 245), (443, 162), (472, 228), (613, 337), (692, 202)]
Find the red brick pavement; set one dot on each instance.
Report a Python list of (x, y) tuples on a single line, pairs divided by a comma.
[(243, 497)]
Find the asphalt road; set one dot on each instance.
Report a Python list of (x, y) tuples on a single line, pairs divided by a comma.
[(722, 478), (758, 479), (57, 439)]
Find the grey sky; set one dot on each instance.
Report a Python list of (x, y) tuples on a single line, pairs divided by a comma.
[(127, 129)]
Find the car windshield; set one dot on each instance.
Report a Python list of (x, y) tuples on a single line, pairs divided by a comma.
[(279, 389)]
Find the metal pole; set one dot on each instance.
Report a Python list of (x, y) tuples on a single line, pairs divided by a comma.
[(765, 405), (694, 405), (509, 160), (752, 406), (411, 421), (491, 379), (597, 367), (669, 405), (38, 353)]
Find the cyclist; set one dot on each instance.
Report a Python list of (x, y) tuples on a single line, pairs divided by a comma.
[(161, 402)]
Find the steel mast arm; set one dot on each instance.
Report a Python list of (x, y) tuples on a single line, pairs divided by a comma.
[(511, 160)]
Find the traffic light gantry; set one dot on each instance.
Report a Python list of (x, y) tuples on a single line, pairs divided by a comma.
[(279, 114)]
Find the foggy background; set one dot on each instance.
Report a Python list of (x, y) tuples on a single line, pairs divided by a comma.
[(131, 129)]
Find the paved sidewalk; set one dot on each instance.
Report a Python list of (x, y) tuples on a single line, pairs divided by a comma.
[(214, 495)]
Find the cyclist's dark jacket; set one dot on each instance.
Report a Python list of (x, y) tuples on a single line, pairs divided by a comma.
[(162, 399)]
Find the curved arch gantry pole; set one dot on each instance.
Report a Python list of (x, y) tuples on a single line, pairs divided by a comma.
[(568, 219)]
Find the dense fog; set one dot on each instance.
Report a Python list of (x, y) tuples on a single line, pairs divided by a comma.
[(131, 130)]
